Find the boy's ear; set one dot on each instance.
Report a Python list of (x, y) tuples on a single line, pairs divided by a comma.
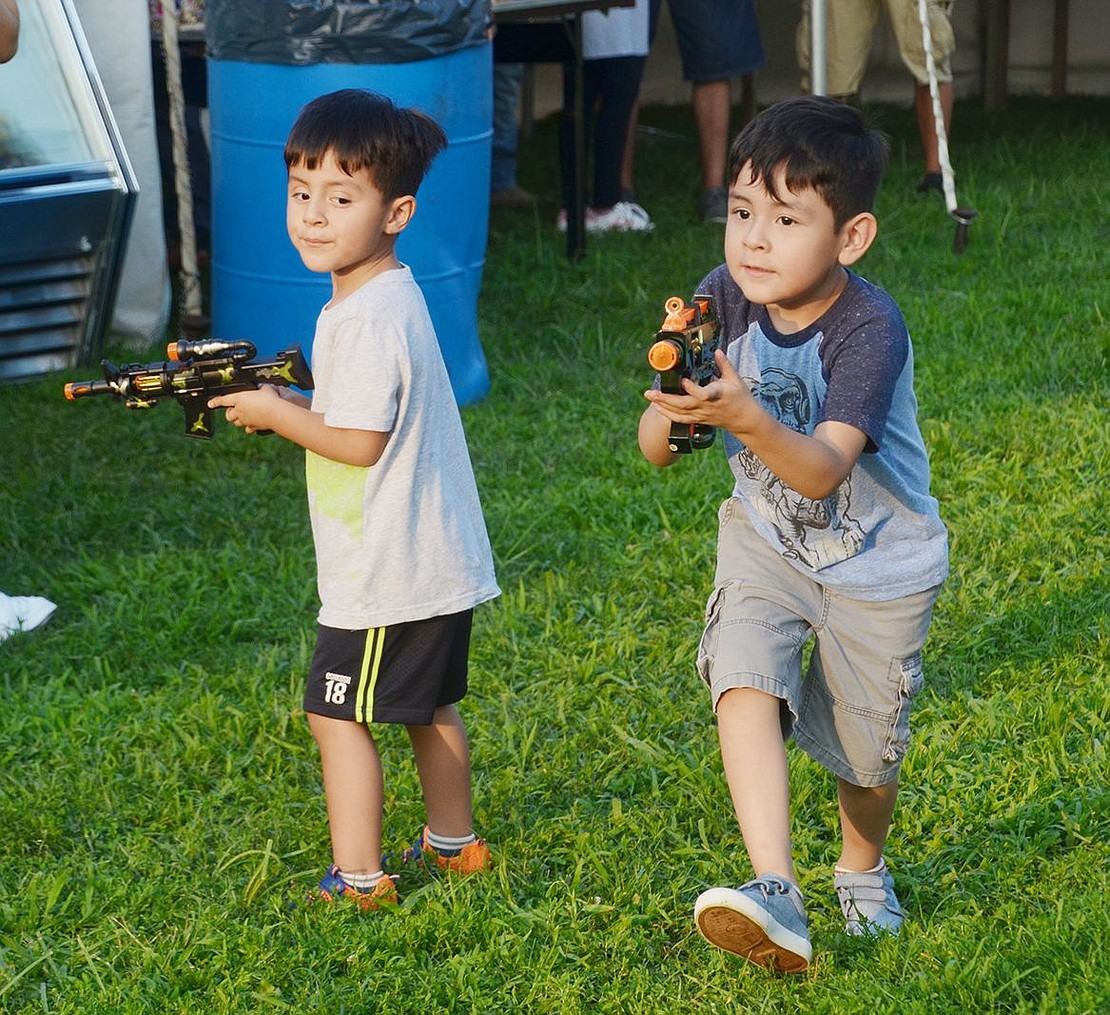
[(857, 234), (400, 214)]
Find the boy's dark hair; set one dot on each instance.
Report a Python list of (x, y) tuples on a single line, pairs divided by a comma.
[(365, 130), (822, 145)]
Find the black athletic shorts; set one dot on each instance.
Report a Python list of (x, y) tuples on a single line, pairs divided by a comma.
[(398, 674)]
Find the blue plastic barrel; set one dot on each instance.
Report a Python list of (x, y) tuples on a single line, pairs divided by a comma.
[(260, 289)]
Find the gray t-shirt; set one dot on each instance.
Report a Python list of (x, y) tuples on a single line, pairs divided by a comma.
[(879, 536), (403, 539)]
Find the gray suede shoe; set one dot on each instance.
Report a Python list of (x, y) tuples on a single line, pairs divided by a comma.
[(713, 205), (763, 921), (868, 902)]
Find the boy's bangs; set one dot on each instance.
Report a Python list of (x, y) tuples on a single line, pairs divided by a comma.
[(798, 172), (310, 148)]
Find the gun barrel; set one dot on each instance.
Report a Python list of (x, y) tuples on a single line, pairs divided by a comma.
[(664, 355), (81, 389)]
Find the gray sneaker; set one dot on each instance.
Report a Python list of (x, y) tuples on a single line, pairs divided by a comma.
[(868, 902), (713, 205), (763, 921)]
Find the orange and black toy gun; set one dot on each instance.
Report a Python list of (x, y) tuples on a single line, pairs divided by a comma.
[(197, 372), (684, 347)]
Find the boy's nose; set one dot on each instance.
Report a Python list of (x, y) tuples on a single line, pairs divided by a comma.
[(754, 234), (313, 211)]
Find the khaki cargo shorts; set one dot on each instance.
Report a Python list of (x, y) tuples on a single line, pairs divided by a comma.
[(849, 709), (849, 27)]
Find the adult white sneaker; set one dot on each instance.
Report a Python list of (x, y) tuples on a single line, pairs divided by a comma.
[(623, 217)]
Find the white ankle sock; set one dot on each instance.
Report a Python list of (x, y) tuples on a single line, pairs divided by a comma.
[(363, 882), (877, 869), (447, 846)]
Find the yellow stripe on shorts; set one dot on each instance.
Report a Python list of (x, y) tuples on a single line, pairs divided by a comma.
[(368, 676)]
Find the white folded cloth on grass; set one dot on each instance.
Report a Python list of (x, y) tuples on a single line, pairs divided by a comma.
[(22, 613)]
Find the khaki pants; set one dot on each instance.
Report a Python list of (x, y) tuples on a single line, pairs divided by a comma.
[(849, 27)]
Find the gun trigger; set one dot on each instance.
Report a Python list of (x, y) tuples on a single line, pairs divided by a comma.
[(198, 419)]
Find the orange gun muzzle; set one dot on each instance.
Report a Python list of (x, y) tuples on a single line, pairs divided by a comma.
[(664, 355)]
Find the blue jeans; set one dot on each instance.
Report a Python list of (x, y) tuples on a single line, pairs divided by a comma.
[(507, 79)]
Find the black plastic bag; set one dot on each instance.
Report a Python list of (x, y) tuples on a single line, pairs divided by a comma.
[(299, 32)]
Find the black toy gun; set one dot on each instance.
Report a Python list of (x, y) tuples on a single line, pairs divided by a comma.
[(684, 347), (198, 371)]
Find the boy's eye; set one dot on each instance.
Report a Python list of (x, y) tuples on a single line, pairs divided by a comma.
[(786, 220), (341, 201), (742, 213)]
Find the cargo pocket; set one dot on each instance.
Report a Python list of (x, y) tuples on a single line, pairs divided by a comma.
[(910, 680), (707, 647)]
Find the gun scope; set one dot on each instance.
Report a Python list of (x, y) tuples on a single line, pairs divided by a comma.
[(209, 349)]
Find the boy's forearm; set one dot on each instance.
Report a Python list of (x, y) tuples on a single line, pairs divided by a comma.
[(653, 438), (813, 466), (299, 424), (296, 397)]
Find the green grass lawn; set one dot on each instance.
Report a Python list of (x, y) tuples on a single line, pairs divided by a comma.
[(161, 812)]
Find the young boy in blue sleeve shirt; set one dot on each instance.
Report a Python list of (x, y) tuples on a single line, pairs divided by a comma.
[(402, 552), (830, 531)]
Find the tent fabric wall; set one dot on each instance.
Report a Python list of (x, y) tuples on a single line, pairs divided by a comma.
[(118, 33)]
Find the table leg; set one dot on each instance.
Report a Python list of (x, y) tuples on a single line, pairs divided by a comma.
[(576, 213)]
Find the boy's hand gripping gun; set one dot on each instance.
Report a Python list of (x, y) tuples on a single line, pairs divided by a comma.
[(684, 347), (198, 371)]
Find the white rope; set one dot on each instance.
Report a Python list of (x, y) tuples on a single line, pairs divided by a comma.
[(948, 178), (182, 178)]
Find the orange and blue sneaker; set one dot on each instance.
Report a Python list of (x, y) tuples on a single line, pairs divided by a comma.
[(470, 859), (333, 887)]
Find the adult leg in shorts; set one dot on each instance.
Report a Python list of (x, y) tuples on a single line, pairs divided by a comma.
[(905, 22), (849, 28), (717, 41)]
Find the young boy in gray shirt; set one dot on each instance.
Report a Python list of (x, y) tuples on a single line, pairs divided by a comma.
[(402, 555), (830, 531)]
